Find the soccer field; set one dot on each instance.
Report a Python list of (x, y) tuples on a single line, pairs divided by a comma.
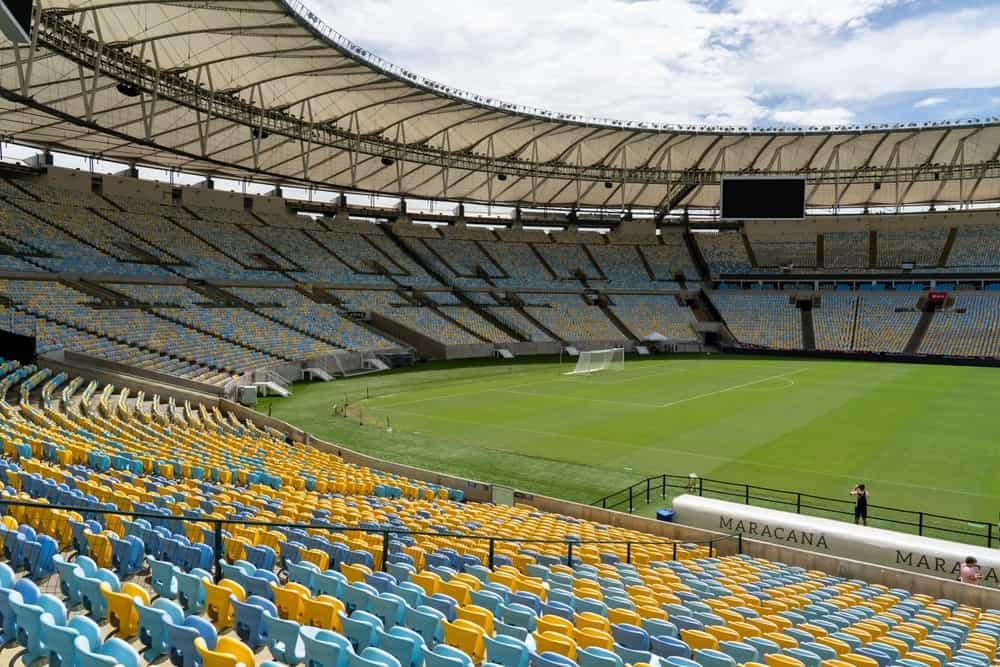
[(921, 437)]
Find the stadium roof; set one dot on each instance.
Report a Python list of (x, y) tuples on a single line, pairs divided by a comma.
[(263, 89)]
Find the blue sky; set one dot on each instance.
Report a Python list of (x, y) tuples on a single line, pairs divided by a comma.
[(717, 62)]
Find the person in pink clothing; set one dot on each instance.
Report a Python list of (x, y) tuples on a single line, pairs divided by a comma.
[(969, 574)]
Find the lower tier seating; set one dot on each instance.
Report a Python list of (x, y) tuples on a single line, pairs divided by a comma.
[(765, 320), (969, 328)]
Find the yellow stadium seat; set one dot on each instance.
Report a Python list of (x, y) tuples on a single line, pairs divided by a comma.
[(588, 619), (478, 615), (723, 633), (122, 613), (624, 616), (552, 623), (321, 612), (290, 600), (586, 637), (781, 639), (556, 643), (467, 636), (859, 660), (841, 647), (218, 607), (697, 639), (782, 660), (457, 590), (228, 652)]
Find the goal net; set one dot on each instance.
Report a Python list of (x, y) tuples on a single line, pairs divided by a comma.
[(599, 360)]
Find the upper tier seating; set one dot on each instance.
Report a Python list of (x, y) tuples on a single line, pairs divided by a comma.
[(53, 249), (773, 253), (239, 244), (200, 260), (521, 264), (367, 599), (765, 320), (567, 259), (725, 252), (976, 248), (345, 258), (459, 268), (670, 257), (464, 258), (623, 267), (922, 247), (845, 250)]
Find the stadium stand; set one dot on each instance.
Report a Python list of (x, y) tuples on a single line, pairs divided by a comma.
[(764, 320), (669, 258), (572, 319), (845, 250), (145, 251), (777, 245), (976, 248), (418, 317), (520, 263), (919, 246), (512, 318), (833, 320), (569, 259), (970, 328), (137, 328), (622, 267), (725, 253), (655, 314), (885, 322), (318, 320)]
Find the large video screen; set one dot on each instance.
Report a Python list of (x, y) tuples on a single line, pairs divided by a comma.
[(755, 197)]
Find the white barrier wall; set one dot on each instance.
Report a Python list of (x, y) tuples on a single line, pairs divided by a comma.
[(926, 555)]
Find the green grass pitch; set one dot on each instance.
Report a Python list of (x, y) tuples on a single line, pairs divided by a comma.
[(922, 437)]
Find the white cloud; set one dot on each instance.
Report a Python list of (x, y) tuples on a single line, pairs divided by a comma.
[(819, 117), (678, 60), (930, 102)]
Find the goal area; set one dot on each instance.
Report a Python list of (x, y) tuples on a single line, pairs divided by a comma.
[(599, 360)]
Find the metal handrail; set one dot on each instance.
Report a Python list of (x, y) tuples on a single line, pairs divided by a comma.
[(386, 532), (796, 501)]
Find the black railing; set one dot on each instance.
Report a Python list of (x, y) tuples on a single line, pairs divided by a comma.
[(731, 544), (927, 524)]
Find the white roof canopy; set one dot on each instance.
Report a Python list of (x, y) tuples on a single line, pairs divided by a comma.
[(261, 89)]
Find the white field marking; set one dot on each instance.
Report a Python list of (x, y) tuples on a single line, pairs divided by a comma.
[(467, 392), (670, 371), (682, 452), (788, 383), (733, 388), (633, 404), (548, 380), (568, 397)]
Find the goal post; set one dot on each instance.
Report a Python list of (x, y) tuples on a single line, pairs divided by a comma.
[(595, 361)]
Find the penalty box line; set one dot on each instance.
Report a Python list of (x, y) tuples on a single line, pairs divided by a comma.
[(733, 388)]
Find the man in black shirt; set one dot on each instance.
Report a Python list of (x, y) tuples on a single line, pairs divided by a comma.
[(860, 494)]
